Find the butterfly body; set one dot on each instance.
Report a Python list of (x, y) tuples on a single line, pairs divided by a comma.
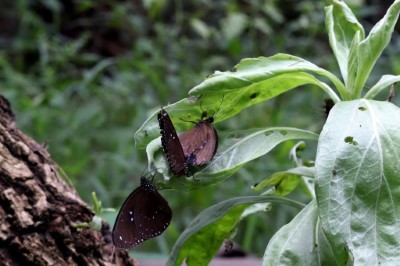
[(145, 214)]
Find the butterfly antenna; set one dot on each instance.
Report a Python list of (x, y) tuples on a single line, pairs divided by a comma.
[(152, 177), (219, 107), (147, 174), (220, 104), (154, 170), (143, 172), (188, 121), (203, 113)]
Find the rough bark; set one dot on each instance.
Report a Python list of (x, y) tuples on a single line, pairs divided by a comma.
[(39, 211)]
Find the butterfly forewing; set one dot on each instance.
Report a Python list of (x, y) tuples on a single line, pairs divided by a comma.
[(171, 145), (145, 214)]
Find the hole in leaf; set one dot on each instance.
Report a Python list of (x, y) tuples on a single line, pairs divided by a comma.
[(269, 133), (350, 140), (253, 95)]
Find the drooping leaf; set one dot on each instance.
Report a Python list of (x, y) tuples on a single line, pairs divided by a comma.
[(381, 85), (205, 234), (262, 78), (357, 181), (295, 153), (301, 242), (285, 182)]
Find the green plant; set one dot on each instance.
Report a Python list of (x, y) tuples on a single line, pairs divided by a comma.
[(74, 92), (352, 217), (98, 210)]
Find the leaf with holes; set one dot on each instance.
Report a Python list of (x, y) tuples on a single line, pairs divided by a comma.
[(357, 181)]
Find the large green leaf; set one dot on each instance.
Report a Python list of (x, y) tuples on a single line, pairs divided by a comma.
[(227, 93), (357, 181), (205, 234), (235, 149), (301, 242), (342, 26), (371, 48), (262, 78)]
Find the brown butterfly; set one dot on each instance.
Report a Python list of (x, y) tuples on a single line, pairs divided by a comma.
[(196, 146), (200, 143)]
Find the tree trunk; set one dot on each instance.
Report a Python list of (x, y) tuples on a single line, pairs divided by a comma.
[(38, 210)]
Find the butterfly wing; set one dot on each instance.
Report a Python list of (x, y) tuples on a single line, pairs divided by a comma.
[(145, 214), (171, 145), (156, 218), (200, 143), (205, 154), (125, 232)]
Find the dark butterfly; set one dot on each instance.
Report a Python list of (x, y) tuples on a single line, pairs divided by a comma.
[(200, 143), (171, 145), (145, 214), (328, 105)]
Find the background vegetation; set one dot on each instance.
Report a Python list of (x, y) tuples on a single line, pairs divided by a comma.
[(82, 76)]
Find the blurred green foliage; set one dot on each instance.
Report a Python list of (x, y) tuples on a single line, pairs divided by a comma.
[(82, 76)]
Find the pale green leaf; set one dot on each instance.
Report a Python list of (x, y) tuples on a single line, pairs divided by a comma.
[(357, 181), (342, 26), (300, 242), (382, 84), (371, 48), (262, 78), (353, 62)]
